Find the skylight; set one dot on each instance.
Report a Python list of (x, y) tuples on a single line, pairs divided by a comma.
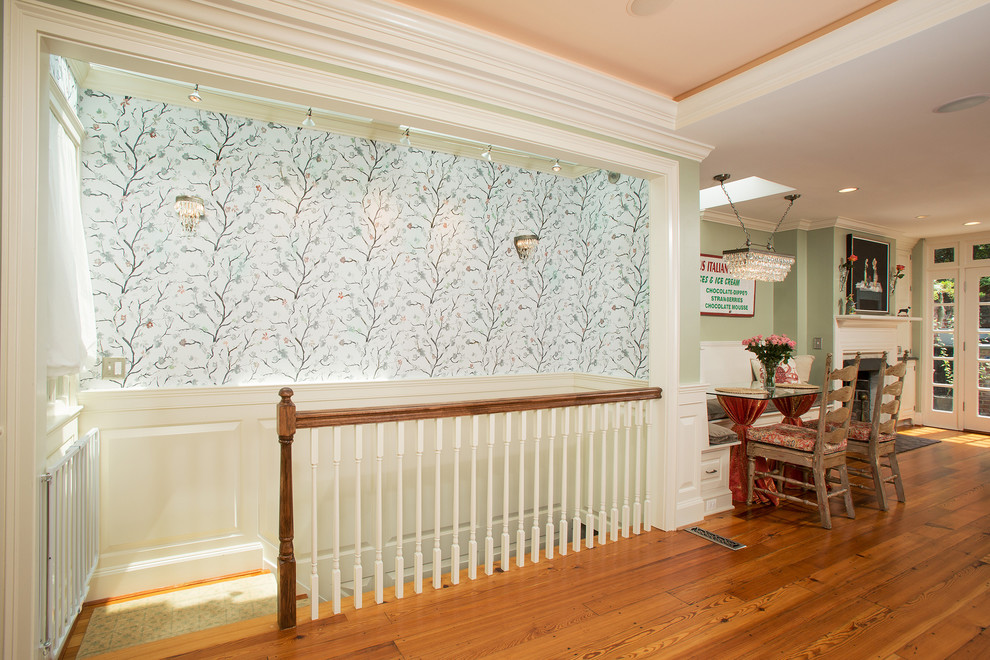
[(752, 187)]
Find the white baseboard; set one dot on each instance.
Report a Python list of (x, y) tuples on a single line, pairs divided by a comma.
[(175, 570)]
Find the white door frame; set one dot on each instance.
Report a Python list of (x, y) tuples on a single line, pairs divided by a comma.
[(962, 269)]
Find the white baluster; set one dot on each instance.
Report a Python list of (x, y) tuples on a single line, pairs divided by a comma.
[(615, 471), (637, 510), (400, 562), (314, 575), (589, 512), (534, 533), (551, 462), (505, 493), (358, 573), (335, 572), (602, 517), (437, 526), (418, 555), (489, 540), (521, 531), (625, 470), (455, 544), (379, 564), (473, 540), (576, 531), (562, 527), (646, 407)]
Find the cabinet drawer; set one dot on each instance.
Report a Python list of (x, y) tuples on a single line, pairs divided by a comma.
[(711, 471)]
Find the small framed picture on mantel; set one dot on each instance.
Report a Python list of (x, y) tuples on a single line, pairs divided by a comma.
[(869, 278)]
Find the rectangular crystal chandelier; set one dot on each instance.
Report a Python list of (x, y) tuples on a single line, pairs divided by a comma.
[(750, 263)]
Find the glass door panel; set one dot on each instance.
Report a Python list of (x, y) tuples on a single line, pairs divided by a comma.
[(943, 345), (976, 336)]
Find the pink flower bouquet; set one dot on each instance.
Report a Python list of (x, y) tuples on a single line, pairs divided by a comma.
[(770, 351)]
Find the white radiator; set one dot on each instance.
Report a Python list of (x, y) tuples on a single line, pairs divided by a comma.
[(70, 508)]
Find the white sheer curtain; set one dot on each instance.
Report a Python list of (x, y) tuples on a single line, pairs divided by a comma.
[(70, 319)]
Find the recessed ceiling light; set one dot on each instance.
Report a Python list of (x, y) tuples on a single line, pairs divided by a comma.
[(646, 7), (971, 222), (848, 190), (965, 103), (920, 217)]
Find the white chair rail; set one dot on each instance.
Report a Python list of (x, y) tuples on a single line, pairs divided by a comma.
[(539, 465)]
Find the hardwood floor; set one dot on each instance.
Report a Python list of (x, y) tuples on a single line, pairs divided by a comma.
[(911, 582)]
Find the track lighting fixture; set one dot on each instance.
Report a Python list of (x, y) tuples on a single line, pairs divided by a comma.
[(556, 165), (308, 121), (194, 95), (487, 153), (404, 140)]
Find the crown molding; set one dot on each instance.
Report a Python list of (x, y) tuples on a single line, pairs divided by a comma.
[(841, 222), (802, 224), (872, 32), (756, 224), (402, 48)]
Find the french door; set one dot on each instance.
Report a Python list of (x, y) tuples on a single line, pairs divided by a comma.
[(975, 357)]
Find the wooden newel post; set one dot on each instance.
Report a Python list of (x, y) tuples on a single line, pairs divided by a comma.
[(286, 558)]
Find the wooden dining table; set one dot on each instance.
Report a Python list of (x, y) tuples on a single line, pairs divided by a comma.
[(744, 405)]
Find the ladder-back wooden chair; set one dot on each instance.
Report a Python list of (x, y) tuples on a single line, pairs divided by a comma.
[(870, 442), (819, 450)]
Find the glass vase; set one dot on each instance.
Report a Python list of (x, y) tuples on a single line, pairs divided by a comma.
[(770, 375)]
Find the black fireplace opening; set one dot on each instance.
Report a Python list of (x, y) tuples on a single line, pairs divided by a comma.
[(866, 386)]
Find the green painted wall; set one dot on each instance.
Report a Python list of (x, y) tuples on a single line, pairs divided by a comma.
[(822, 294), (790, 303)]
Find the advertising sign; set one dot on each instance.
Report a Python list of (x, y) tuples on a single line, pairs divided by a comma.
[(722, 295)]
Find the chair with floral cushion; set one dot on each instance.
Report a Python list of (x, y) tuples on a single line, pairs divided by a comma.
[(821, 450), (870, 442)]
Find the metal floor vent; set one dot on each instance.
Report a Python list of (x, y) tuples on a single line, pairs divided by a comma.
[(715, 538)]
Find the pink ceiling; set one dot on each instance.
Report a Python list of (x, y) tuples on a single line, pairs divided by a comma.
[(683, 45)]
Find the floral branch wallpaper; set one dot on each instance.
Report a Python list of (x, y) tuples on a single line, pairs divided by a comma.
[(327, 258)]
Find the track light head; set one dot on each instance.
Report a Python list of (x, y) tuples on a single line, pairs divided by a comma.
[(556, 165), (194, 95), (404, 140), (487, 153), (308, 121)]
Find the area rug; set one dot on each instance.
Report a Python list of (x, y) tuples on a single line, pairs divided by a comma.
[(120, 625), (903, 443)]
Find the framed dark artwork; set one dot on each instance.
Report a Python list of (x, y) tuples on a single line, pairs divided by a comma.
[(868, 281)]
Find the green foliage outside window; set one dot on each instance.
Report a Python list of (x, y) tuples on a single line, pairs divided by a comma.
[(945, 255)]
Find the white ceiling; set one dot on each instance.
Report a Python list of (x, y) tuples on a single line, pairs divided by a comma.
[(866, 123), (869, 123)]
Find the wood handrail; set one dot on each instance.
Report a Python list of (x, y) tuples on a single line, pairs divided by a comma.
[(382, 414), (288, 420)]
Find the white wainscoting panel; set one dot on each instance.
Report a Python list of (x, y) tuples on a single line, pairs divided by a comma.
[(170, 483), (692, 438)]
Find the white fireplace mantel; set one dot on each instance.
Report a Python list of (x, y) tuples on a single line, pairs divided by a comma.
[(869, 321), (866, 334)]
